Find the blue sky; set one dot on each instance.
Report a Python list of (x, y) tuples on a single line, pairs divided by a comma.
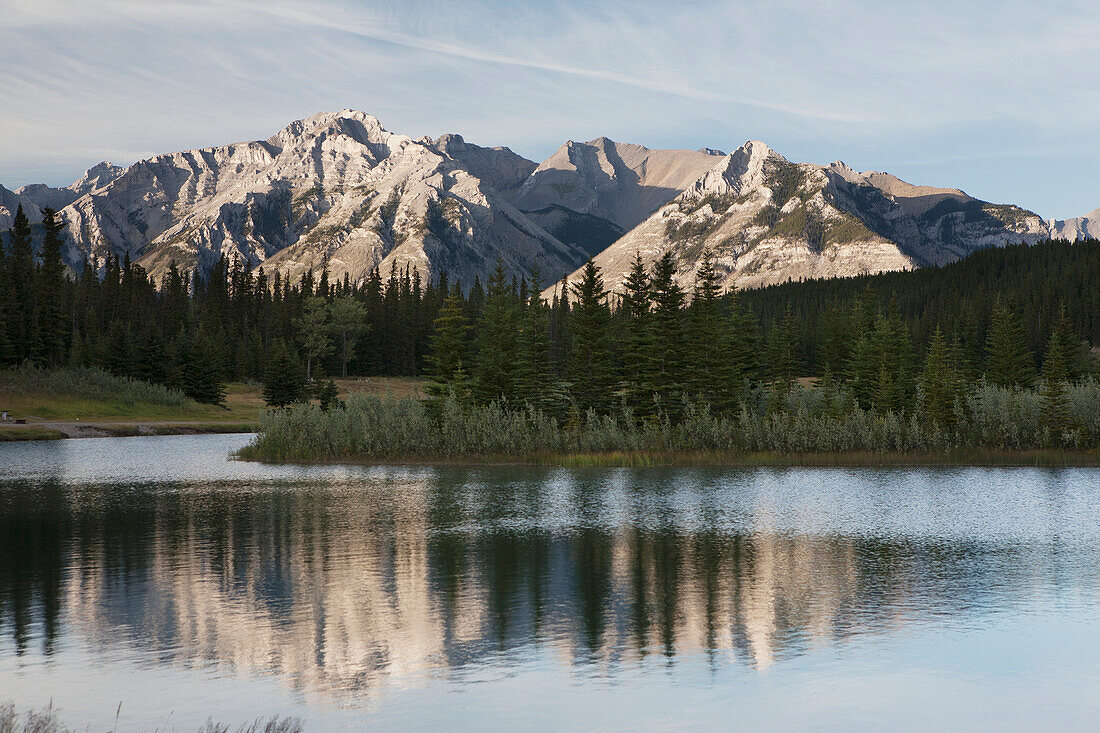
[(1001, 99)]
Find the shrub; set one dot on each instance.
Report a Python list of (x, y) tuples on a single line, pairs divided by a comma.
[(90, 382)]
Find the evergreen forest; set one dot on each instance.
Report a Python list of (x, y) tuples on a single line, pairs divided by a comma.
[(915, 345)]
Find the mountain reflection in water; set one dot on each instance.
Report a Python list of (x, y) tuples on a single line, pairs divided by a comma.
[(341, 586)]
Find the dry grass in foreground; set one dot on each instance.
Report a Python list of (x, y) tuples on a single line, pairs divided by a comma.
[(47, 720)]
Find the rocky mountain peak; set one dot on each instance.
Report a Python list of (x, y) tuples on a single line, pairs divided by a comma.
[(98, 176), (744, 169), (338, 190)]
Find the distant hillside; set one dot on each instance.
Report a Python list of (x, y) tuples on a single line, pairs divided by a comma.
[(770, 220), (1039, 280)]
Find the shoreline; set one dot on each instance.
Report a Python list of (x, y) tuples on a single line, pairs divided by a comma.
[(72, 430), (1050, 458)]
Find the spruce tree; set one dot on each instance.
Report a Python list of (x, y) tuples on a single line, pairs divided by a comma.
[(196, 368), (744, 342), (707, 370), (497, 342), (325, 391), (784, 357), (1054, 408), (23, 329), (205, 377), (894, 390), (939, 383), (591, 368), (283, 380), (561, 338), (1075, 351), (535, 378), (1008, 362), (635, 311), (52, 290), (149, 357), (664, 363), (836, 339), (448, 347)]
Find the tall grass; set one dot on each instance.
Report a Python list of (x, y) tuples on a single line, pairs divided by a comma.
[(46, 720), (808, 422), (92, 383)]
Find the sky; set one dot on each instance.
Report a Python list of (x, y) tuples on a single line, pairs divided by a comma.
[(1000, 99)]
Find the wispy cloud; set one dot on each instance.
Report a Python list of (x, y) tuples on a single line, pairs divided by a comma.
[(950, 85), (304, 16)]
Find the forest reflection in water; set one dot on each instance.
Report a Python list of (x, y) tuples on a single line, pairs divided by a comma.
[(340, 585)]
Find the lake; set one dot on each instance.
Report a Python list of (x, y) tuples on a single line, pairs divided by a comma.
[(157, 573)]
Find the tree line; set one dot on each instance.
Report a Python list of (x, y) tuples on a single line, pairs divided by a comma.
[(1018, 317), (656, 349)]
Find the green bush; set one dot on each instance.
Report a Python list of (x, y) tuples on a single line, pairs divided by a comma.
[(808, 420)]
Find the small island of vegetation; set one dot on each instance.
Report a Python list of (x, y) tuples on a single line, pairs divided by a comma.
[(653, 376)]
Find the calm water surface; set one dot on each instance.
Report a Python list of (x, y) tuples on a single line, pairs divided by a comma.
[(156, 573)]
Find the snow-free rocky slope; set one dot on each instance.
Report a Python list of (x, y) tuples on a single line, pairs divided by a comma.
[(591, 193), (333, 190), (340, 191), (37, 196), (769, 220), (337, 190)]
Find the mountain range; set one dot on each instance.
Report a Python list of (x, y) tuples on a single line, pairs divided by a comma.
[(339, 191)]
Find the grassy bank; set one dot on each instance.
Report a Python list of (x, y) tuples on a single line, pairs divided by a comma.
[(86, 395), (1051, 458), (994, 427), (28, 432), (91, 401)]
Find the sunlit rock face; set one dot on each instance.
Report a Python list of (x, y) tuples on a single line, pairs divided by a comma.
[(1079, 227), (338, 191), (769, 220), (335, 191), (37, 196)]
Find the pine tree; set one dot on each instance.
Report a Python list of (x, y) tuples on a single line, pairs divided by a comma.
[(1008, 362), (561, 337), (52, 290), (283, 381), (1054, 411), (744, 342), (664, 363), (497, 342), (635, 311), (784, 357), (590, 367), (535, 377), (939, 383), (23, 331), (449, 350)]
